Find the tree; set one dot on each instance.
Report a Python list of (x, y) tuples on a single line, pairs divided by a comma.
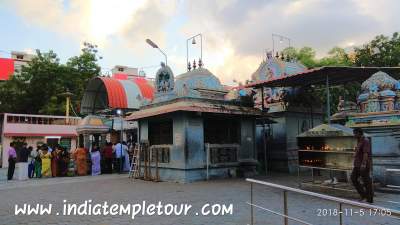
[(336, 57), (38, 88), (381, 51), (305, 55)]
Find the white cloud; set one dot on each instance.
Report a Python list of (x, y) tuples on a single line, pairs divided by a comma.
[(235, 32)]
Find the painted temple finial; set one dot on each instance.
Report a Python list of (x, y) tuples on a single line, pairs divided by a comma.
[(277, 55), (269, 55), (189, 67), (200, 63), (194, 64)]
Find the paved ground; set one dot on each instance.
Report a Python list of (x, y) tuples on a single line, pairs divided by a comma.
[(119, 189)]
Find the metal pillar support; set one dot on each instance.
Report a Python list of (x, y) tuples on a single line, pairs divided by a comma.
[(285, 208), (264, 140), (328, 100), (251, 205), (340, 214), (208, 160)]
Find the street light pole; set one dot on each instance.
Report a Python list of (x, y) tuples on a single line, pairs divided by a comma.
[(194, 42), (121, 138), (154, 45), (281, 38)]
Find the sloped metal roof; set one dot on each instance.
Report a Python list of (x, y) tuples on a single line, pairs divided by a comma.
[(105, 93)]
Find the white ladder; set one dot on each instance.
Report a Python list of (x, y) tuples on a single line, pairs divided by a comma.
[(134, 171)]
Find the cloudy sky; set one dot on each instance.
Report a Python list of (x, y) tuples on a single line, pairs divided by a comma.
[(235, 32)]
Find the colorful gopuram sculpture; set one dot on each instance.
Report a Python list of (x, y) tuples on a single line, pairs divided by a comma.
[(380, 93)]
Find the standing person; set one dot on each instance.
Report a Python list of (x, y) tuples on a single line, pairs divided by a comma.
[(80, 160), (24, 153), (46, 162), (23, 162), (38, 163), (126, 157), (54, 160), (32, 156), (362, 166), (12, 159), (62, 163), (108, 157), (96, 158), (119, 156)]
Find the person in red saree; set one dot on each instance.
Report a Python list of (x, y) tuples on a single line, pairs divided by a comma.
[(80, 157)]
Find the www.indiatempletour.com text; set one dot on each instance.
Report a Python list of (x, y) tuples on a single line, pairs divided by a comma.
[(90, 208)]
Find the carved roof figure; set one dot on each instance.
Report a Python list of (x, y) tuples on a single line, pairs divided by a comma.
[(164, 81)]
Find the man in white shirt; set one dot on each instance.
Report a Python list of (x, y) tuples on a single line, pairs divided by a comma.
[(119, 150)]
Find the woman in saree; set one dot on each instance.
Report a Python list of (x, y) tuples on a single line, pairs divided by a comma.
[(54, 161), (62, 163), (96, 158), (80, 161), (46, 162)]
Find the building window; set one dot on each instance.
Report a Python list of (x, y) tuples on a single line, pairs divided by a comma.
[(120, 69), (20, 56), (161, 132), (223, 153), (221, 131)]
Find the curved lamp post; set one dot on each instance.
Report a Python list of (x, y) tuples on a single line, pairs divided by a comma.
[(154, 45)]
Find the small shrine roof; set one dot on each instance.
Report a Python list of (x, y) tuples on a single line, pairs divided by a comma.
[(328, 130)]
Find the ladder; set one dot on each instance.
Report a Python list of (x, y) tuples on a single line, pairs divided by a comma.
[(134, 171)]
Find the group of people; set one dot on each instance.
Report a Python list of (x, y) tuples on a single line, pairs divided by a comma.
[(103, 160), (46, 162), (41, 162)]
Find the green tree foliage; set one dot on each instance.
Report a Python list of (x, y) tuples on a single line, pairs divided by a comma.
[(316, 95), (381, 51), (38, 88)]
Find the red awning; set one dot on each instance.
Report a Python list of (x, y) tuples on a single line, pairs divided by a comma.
[(6, 68), (144, 86), (116, 93)]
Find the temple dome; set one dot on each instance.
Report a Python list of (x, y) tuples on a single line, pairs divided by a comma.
[(387, 93), (200, 78), (381, 80)]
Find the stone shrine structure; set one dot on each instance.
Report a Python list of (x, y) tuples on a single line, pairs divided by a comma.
[(291, 119), (194, 131)]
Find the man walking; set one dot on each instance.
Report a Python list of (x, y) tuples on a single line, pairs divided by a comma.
[(362, 166), (12, 159)]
